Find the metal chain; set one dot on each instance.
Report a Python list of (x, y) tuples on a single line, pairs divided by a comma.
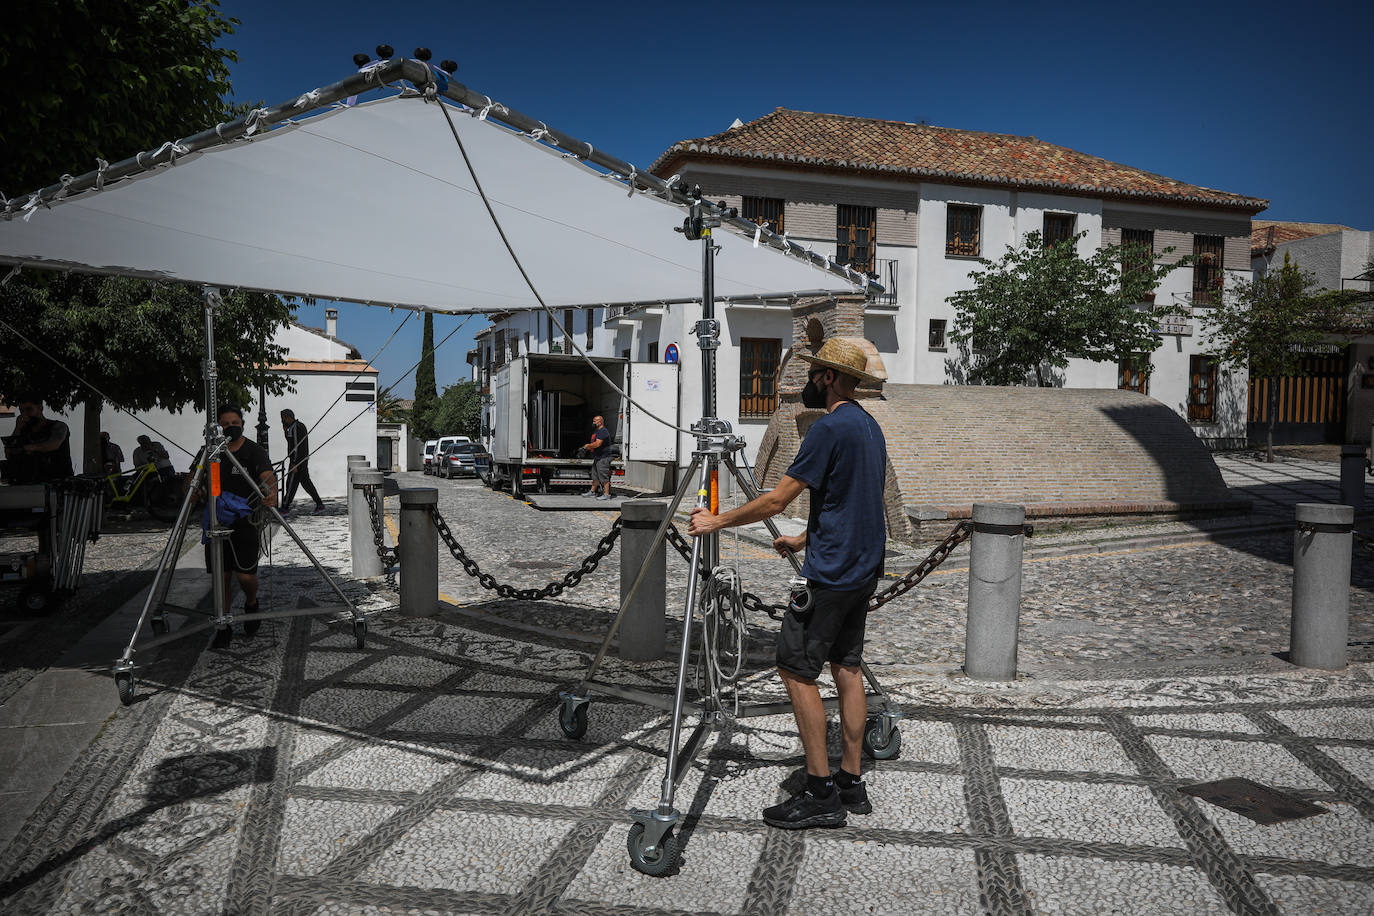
[(961, 533), (906, 583), (553, 589), (390, 557)]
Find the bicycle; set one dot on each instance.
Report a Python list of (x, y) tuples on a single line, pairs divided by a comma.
[(143, 487)]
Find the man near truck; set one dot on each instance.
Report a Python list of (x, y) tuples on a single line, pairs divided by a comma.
[(600, 449)]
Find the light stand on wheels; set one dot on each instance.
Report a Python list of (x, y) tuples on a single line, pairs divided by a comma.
[(154, 606), (652, 845)]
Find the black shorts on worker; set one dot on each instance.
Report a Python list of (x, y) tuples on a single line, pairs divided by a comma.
[(830, 630), (240, 548)]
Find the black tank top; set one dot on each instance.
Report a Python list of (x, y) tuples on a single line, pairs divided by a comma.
[(47, 465)]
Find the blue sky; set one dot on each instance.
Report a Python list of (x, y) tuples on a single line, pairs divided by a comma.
[(1263, 99)]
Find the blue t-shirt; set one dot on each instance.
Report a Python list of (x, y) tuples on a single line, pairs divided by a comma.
[(603, 440), (843, 459)]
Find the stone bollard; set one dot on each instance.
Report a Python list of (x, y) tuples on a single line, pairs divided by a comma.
[(642, 629), (366, 563), (1321, 585), (354, 462), (1352, 476), (994, 591), (419, 548)]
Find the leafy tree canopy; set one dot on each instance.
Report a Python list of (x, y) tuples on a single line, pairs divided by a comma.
[(457, 412), (1266, 323), (108, 78), (140, 343), (1038, 307)]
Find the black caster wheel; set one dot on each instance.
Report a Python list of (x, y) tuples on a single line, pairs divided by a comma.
[(124, 682), (872, 737), (159, 625), (573, 720), (360, 632), (250, 627), (36, 599), (663, 859)]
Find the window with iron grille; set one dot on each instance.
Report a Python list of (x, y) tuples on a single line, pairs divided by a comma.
[(937, 334), (758, 367), (591, 323), (499, 348), (856, 229), (764, 211), (1207, 268), (1058, 228), (567, 320), (1134, 373), (1137, 249), (1202, 388), (962, 224)]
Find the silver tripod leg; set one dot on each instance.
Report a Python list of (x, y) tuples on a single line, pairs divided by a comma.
[(659, 536), (357, 615), (659, 821), (162, 579)]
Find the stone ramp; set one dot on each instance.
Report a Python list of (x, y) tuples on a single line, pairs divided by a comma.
[(1059, 451)]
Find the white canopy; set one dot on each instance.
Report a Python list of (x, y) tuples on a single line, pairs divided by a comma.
[(374, 204)]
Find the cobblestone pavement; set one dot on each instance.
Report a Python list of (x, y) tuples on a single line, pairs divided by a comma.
[(425, 773)]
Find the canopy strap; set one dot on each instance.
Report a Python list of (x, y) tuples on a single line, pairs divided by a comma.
[(310, 99), (252, 123)]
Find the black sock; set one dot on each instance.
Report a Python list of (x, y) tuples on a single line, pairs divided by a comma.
[(819, 786), (845, 779)]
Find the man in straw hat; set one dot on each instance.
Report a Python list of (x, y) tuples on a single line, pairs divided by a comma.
[(843, 460)]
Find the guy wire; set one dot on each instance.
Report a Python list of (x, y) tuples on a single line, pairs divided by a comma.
[(530, 283)]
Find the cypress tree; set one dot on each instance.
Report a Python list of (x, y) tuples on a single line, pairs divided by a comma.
[(426, 393)]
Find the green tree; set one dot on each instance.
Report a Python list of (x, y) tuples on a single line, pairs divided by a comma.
[(1038, 307), (426, 393), (458, 412), (389, 409), (1265, 325), (144, 72)]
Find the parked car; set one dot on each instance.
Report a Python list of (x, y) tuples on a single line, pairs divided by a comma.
[(457, 459), (431, 447)]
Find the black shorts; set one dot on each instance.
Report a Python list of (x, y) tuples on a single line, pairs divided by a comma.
[(240, 548), (831, 630)]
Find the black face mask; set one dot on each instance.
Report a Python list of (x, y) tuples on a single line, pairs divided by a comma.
[(233, 433), (812, 396)]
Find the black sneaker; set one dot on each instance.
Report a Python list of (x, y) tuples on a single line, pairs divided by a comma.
[(250, 627), (806, 810), (223, 637), (855, 798)]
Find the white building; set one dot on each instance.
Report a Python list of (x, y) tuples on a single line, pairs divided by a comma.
[(335, 396), (916, 206), (1333, 400)]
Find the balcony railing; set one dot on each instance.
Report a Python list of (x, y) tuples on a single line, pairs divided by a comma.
[(885, 272)]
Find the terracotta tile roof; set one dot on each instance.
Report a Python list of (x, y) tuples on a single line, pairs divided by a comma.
[(1266, 233), (790, 138), (297, 366)]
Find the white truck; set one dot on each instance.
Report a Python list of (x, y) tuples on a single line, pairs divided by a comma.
[(541, 417)]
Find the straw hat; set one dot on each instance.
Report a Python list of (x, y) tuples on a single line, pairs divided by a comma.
[(842, 356)]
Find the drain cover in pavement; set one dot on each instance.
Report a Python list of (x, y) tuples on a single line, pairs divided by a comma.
[(1250, 799)]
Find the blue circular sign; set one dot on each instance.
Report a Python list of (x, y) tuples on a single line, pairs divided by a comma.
[(670, 354)]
